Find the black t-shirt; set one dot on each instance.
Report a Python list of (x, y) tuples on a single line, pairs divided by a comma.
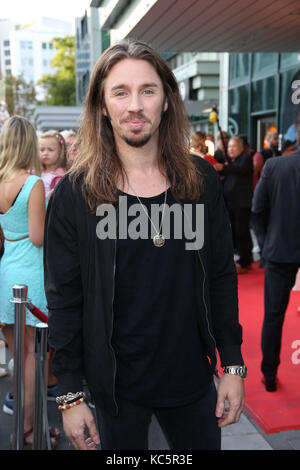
[(160, 360)]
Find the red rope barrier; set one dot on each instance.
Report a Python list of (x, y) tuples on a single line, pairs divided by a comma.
[(36, 312)]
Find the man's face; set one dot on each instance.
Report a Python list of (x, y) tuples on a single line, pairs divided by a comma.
[(234, 149), (134, 99), (274, 141)]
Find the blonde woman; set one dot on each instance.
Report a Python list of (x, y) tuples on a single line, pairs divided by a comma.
[(22, 215), (198, 147)]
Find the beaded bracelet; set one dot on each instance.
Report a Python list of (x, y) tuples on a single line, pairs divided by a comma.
[(66, 406)]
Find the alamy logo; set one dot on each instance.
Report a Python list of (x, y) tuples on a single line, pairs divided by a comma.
[(296, 354), (184, 222), (296, 94)]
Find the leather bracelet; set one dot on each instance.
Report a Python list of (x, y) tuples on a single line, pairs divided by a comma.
[(66, 406)]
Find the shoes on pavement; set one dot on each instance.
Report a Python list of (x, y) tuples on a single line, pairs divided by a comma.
[(240, 269), (3, 372), (8, 405)]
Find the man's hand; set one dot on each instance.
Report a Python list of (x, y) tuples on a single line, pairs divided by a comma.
[(75, 421), (219, 166), (231, 388)]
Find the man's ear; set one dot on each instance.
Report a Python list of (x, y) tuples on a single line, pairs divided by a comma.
[(164, 107), (105, 112), (166, 104)]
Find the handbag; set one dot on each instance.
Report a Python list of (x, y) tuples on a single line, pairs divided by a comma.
[(1, 242)]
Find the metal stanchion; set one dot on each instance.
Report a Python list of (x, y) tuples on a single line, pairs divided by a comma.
[(19, 300), (40, 424)]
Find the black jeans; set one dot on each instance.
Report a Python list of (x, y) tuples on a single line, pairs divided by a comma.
[(279, 280), (189, 427), (240, 226)]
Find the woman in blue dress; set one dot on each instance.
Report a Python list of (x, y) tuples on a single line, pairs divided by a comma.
[(22, 215)]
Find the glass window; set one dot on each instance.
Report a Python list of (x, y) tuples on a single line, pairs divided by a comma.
[(6, 43), (289, 58), (290, 102), (50, 45), (238, 110), (7, 62), (264, 64), (23, 44), (29, 44), (84, 26), (44, 45), (7, 53), (239, 67), (264, 94)]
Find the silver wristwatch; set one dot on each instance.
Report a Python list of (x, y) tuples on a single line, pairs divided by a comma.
[(239, 370)]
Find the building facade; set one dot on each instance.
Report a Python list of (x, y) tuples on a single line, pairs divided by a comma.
[(263, 94), (6, 26), (90, 41), (31, 47), (197, 74)]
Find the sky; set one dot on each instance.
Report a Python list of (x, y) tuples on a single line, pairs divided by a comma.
[(24, 11)]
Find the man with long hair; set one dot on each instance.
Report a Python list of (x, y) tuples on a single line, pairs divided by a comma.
[(140, 278)]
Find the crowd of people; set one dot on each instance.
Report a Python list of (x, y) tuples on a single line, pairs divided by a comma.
[(240, 168), (30, 168), (271, 211), (124, 314)]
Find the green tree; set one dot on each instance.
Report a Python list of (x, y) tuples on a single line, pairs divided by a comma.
[(60, 87), (20, 96)]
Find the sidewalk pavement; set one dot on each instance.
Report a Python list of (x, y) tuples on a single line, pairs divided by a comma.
[(245, 435)]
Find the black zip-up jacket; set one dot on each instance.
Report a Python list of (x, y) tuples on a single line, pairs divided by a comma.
[(238, 184), (79, 282)]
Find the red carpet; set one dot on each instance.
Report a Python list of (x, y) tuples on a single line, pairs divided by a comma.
[(280, 410)]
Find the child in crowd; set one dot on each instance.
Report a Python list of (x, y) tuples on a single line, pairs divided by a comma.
[(53, 155), (70, 138)]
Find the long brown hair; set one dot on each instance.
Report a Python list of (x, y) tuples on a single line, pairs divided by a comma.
[(97, 160)]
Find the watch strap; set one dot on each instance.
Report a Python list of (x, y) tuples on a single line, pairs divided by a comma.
[(236, 370)]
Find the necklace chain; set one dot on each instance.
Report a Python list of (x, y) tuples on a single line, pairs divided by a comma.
[(158, 232)]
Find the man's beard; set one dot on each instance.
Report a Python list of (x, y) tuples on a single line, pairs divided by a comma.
[(137, 142)]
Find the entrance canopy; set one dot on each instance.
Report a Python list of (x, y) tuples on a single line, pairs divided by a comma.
[(206, 25)]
